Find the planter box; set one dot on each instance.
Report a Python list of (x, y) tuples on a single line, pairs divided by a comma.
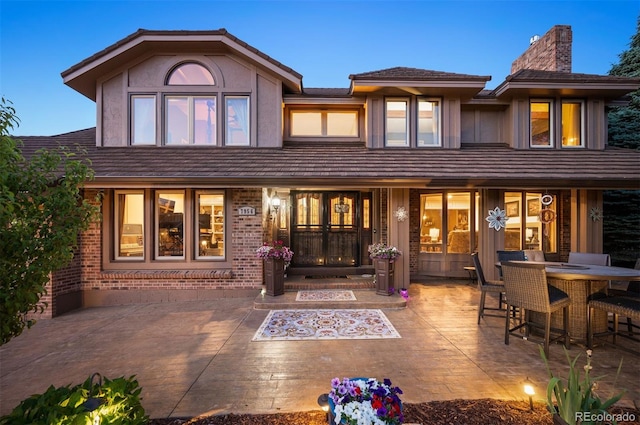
[(274, 276), (384, 276)]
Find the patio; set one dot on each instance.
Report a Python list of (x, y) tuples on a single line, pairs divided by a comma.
[(197, 357)]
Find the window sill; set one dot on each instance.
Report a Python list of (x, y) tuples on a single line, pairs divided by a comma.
[(168, 274)]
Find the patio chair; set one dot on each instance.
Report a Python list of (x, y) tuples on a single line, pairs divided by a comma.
[(510, 256), (633, 291), (618, 306), (589, 258), (526, 287), (486, 286)]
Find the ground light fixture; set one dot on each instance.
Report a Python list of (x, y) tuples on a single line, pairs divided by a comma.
[(323, 402), (530, 391), (93, 403)]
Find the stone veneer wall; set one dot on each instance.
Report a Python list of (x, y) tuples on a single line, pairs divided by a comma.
[(552, 52)]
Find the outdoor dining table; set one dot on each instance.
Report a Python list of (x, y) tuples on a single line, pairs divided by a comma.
[(580, 282)]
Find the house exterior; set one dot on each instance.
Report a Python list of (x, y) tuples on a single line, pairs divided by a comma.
[(205, 147)]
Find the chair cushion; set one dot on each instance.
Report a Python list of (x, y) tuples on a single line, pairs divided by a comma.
[(557, 295), (629, 307)]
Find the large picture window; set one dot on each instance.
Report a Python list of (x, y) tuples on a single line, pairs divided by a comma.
[(159, 225)]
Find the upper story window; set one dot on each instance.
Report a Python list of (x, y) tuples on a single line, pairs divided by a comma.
[(237, 124), (397, 122), (542, 128), (190, 120), (190, 74), (190, 109), (541, 122), (572, 123), (406, 121), (428, 122), (324, 123)]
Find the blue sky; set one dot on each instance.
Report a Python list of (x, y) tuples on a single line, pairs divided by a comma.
[(325, 41)]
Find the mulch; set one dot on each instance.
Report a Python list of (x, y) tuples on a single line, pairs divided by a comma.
[(450, 412)]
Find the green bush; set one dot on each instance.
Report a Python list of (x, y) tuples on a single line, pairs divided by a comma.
[(119, 404)]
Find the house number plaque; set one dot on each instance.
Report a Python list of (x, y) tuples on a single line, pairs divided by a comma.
[(246, 211)]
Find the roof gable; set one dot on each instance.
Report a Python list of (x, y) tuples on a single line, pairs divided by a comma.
[(83, 76)]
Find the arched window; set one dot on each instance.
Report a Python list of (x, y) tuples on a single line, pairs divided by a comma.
[(190, 74)]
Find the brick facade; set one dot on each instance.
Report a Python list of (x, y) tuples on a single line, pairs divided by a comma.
[(84, 282), (551, 52)]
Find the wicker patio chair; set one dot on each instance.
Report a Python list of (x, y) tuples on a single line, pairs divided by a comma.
[(486, 286), (589, 258), (510, 256), (618, 306), (526, 287), (633, 291)]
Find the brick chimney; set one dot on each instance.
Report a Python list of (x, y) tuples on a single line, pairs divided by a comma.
[(551, 52)]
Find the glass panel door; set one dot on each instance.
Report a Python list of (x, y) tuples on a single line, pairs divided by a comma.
[(325, 229)]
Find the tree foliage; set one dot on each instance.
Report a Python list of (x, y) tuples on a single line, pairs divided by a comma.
[(624, 121), (621, 213), (41, 212)]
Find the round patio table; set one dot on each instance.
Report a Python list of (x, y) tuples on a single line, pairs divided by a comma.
[(581, 282)]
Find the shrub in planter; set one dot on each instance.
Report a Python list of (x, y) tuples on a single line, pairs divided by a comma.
[(116, 402)]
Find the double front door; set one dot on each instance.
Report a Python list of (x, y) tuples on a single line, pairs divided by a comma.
[(330, 228)]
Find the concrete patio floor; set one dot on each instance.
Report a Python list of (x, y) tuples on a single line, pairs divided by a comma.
[(196, 357)]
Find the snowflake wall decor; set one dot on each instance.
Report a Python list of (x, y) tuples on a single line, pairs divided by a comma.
[(401, 214), (497, 218), (595, 214)]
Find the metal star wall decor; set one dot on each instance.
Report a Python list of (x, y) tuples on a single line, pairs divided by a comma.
[(497, 218), (401, 214)]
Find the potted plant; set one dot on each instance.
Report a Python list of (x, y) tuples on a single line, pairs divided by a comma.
[(383, 257), (363, 401), (574, 400), (276, 258)]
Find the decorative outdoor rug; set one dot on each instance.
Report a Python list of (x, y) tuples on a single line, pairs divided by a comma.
[(281, 325), (326, 295)]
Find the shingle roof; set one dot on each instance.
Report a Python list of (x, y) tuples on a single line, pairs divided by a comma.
[(350, 166), (400, 73), (563, 77)]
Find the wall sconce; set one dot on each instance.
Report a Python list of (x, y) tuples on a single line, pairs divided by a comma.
[(528, 390), (275, 206)]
